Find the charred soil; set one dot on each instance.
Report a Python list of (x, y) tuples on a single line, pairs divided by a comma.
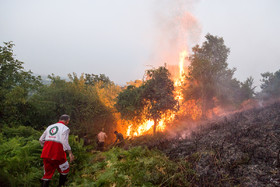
[(241, 149)]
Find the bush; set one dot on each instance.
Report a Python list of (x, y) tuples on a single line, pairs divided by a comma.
[(20, 162), (20, 157), (20, 131), (135, 167), (21, 165)]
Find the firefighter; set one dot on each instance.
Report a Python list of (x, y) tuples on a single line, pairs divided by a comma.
[(119, 137), (55, 144), (101, 140)]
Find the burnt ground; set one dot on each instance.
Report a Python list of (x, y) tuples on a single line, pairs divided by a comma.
[(241, 149)]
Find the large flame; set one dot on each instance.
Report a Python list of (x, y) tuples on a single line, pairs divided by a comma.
[(168, 117), (182, 29), (178, 82), (183, 56)]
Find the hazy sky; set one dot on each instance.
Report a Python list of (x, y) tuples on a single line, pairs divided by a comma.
[(122, 38)]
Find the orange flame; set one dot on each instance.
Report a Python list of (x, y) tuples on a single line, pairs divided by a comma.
[(168, 117), (183, 56), (179, 81)]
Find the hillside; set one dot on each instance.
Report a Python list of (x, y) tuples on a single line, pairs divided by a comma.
[(239, 149)]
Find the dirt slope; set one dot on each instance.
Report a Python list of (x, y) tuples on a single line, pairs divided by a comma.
[(240, 149)]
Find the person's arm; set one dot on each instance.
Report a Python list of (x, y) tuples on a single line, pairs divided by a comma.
[(116, 139), (42, 138), (98, 137), (66, 146), (70, 155), (121, 139)]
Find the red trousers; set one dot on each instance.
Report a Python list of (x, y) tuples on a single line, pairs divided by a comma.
[(51, 165)]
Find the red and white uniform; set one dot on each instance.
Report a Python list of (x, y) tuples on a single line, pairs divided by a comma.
[(55, 142)]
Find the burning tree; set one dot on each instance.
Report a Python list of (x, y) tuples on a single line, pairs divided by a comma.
[(158, 93), (130, 104), (149, 101)]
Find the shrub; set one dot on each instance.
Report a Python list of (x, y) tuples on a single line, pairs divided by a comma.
[(135, 167)]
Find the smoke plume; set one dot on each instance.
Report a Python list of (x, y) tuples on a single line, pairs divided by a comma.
[(177, 30)]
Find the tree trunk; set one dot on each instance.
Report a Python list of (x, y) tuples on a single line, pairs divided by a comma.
[(155, 126), (204, 107)]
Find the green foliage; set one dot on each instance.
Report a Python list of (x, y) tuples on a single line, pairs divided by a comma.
[(210, 80), (159, 92), (88, 99), (135, 167), (20, 160), (150, 100), (20, 131), (208, 65), (107, 93), (248, 89), (270, 85), (130, 103), (16, 86), (79, 100), (21, 165), (92, 79)]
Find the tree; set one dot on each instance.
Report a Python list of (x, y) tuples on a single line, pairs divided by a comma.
[(248, 89), (149, 101), (270, 85), (88, 113), (92, 79), (158, 94), (130, 103), (16, 87), (136, 83), (209, 79)]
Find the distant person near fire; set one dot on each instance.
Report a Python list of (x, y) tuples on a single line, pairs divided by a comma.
[(55, 145), (119, 139), (101, 140)]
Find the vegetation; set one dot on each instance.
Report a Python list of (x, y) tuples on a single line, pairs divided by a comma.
[(209, 79), (149, 101), (20, 160), (135, 167), (131, 104), (27, 107), (159, 94), (16, 87), (21, 164), (76, 98), (270, 85), (248, 89)]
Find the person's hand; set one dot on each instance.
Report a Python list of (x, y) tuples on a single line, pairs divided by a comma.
[(72, 158)]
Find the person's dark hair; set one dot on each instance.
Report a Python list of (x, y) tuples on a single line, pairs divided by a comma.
[(116, 132), (64, 117)]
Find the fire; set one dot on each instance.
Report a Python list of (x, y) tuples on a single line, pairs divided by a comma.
[(180, 80), (184, 30), (183, 56), (168, 117)]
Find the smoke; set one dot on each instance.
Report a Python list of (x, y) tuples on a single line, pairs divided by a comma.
[(177, 30)]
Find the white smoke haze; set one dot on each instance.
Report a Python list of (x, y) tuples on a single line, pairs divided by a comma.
[(186, 129), (177, 30), (182, 129)]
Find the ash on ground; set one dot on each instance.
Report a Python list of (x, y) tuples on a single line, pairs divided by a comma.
[(239, 149)]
